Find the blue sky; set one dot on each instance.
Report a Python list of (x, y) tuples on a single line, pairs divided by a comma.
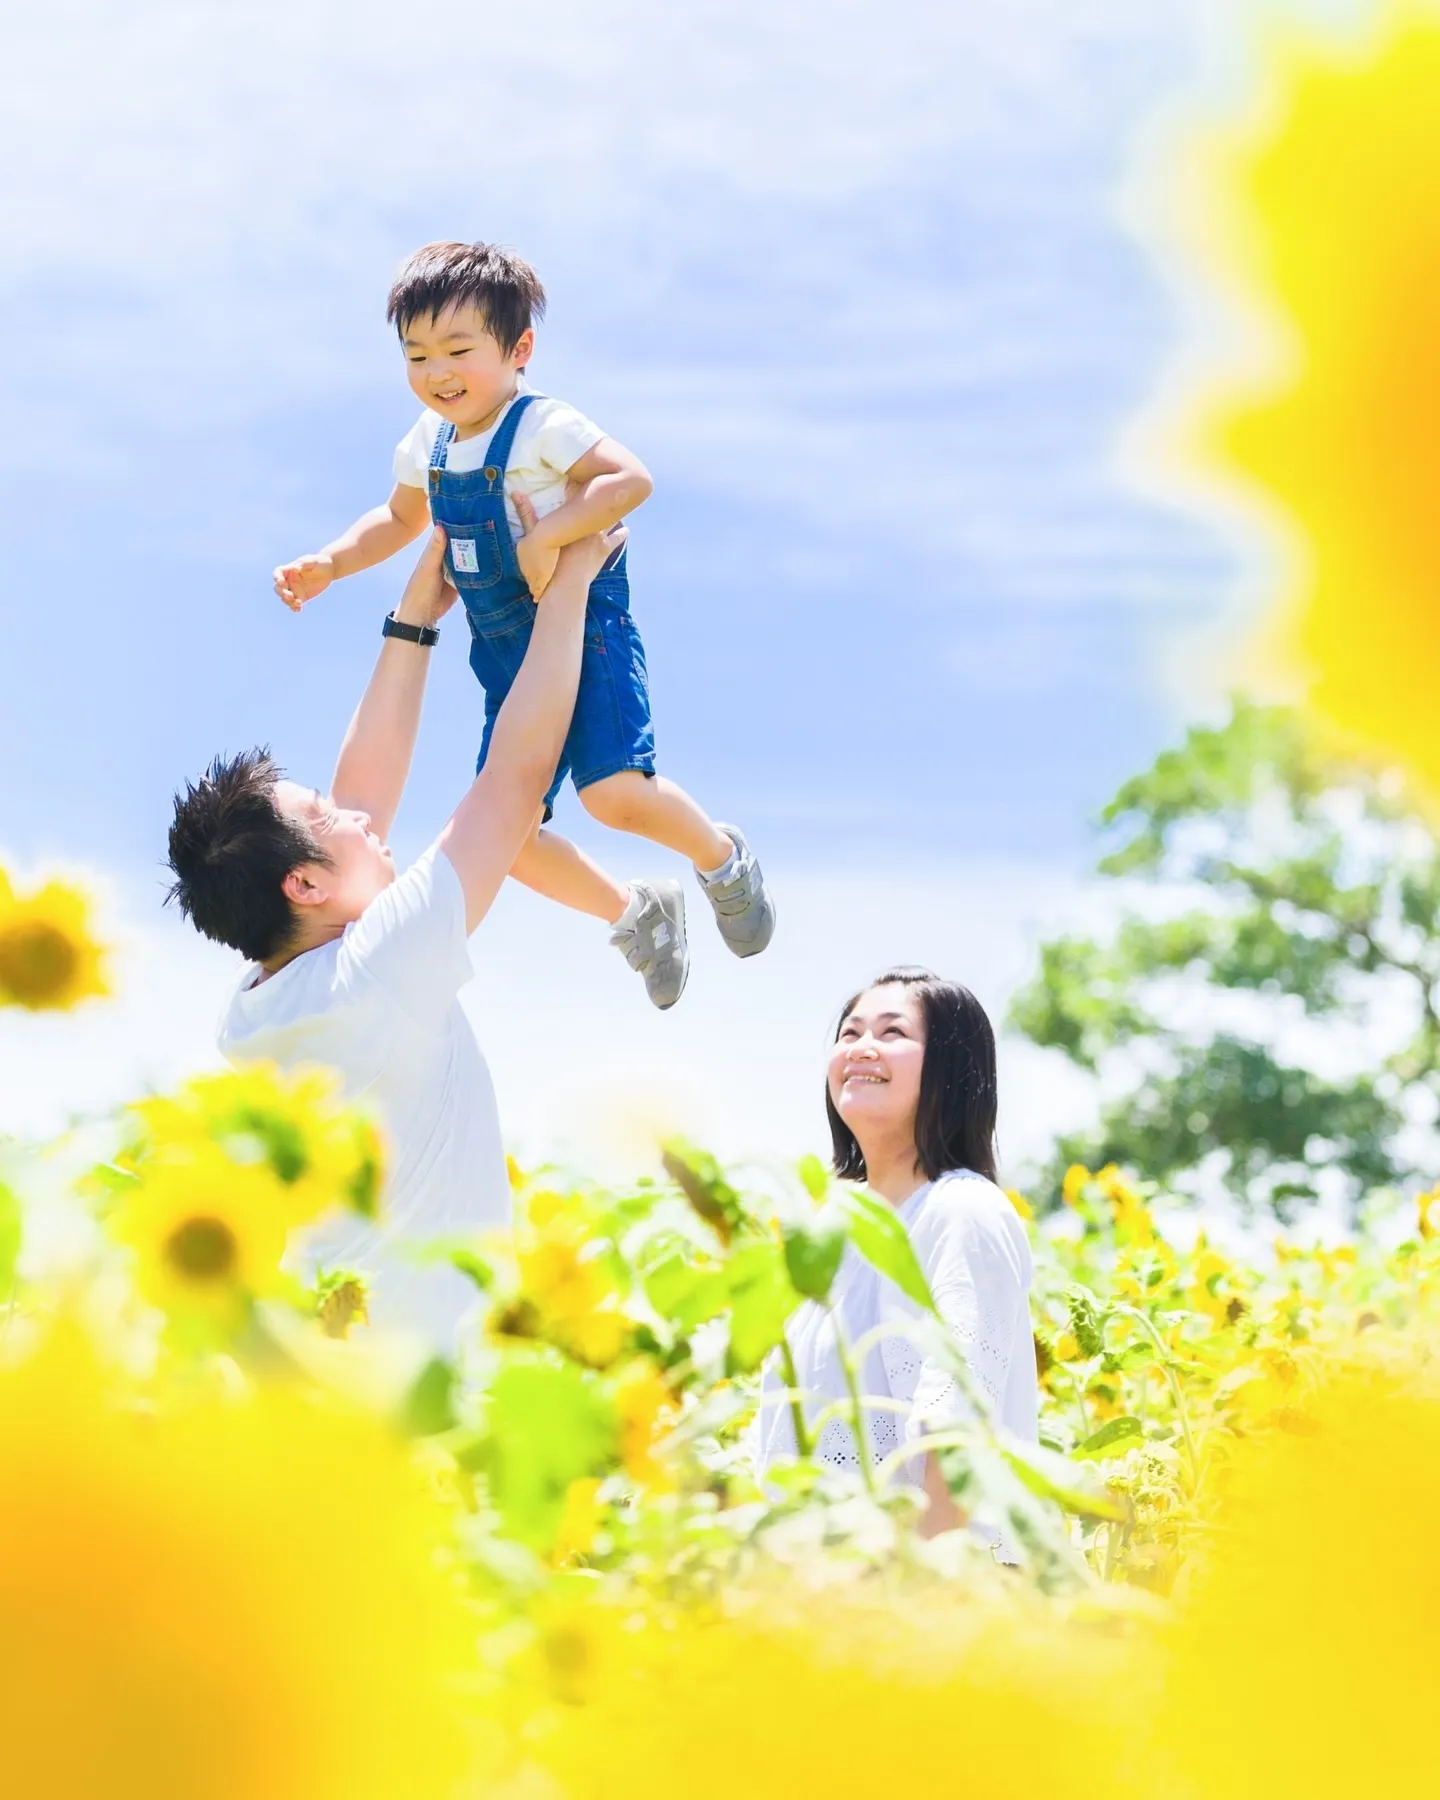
[(852, 280), (868, 312)]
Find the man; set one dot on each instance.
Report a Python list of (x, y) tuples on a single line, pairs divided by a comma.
[(358, 968)]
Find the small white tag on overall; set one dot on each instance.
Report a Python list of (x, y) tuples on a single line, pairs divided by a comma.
[(462, 554)]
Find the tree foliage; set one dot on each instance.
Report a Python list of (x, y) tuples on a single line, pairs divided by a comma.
[(1285, 874)]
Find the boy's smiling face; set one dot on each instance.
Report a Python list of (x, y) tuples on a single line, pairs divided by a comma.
[(457, 367)]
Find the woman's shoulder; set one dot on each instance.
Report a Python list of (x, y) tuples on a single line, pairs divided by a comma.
[(962, 1199)]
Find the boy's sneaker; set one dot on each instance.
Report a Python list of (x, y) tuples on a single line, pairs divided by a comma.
[(744, 910), (650, 933)]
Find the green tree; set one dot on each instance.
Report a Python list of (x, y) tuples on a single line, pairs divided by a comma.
[(1296, 889)]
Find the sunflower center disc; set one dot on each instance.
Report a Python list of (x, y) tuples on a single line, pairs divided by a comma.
[(203, 1249)]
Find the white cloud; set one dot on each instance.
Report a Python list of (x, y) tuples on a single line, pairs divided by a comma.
[(243, 177), (195, 109)]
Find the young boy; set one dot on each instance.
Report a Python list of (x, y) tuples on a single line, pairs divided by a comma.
[(513, 477)]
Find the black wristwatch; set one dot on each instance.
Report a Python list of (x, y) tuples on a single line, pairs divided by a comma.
[(412, 634)]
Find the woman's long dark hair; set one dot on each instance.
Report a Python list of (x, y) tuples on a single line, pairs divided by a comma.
[(955, 1115)]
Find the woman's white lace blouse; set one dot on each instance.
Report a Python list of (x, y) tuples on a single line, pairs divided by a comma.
[(972, 1246)]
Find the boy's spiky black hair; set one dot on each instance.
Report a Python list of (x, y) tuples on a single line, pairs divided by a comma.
[(499, 284)]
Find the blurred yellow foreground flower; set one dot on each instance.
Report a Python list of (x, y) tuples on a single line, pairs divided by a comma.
[(1312, 1635), (207, 1233), (228, 1603), (49, 961), (1301, 1664), (979, 1696), (223, 1171), (568, 1291), (1324, 215), (294, 1123)]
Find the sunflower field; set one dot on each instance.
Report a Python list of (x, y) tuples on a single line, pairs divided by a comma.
[(245, 1549), (249, 1547)]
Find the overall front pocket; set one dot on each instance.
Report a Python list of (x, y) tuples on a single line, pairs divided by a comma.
[(473, 555)]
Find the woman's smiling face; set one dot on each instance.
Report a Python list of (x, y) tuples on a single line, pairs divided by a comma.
[(877, 1058)]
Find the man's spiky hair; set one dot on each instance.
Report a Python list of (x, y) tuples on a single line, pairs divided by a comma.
[(231, 848)]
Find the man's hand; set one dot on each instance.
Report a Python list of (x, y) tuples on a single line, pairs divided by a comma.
[(493, 821), (428, 595), (605, 484), (590, 554), (534, 552), (301, 580)]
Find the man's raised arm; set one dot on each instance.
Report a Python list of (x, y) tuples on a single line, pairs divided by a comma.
[(492, 822), (375, 757)]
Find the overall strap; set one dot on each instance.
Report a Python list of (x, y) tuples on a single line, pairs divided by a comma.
[(442, 444), (498, 458)]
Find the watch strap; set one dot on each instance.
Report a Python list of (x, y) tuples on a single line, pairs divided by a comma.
[(412, 634)]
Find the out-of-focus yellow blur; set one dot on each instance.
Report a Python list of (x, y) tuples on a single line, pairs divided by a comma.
[(1320, 214)]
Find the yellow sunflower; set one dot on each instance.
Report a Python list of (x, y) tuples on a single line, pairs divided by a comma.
[(1067, 1348), (232, 1601), (1077, 1179), (207, 1233), (1318, 217), (579, 1521), (1020, 1203), (1130, 1215), (325, 1153), (645, 1408), (570, 1292), (1209, 1290), (49, 960), (343, 1301)]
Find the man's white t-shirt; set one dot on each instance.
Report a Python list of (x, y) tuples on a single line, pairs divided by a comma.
[(549, 440), (380, 1004)]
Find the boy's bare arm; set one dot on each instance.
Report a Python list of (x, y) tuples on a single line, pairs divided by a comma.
[(608, 482), (378, 534)]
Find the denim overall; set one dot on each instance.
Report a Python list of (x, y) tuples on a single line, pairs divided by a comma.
[(611, 728)]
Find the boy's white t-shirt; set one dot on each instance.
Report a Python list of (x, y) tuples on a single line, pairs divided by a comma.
[(549, 440), (380, 1004)]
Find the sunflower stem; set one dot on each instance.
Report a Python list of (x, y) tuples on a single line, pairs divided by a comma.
[(857, 1411), (804, 1448)]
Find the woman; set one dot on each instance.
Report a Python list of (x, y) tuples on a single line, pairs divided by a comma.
[(911, 1096)]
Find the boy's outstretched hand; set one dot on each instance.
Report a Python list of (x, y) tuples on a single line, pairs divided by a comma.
[(301, 580), (536, 555)]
